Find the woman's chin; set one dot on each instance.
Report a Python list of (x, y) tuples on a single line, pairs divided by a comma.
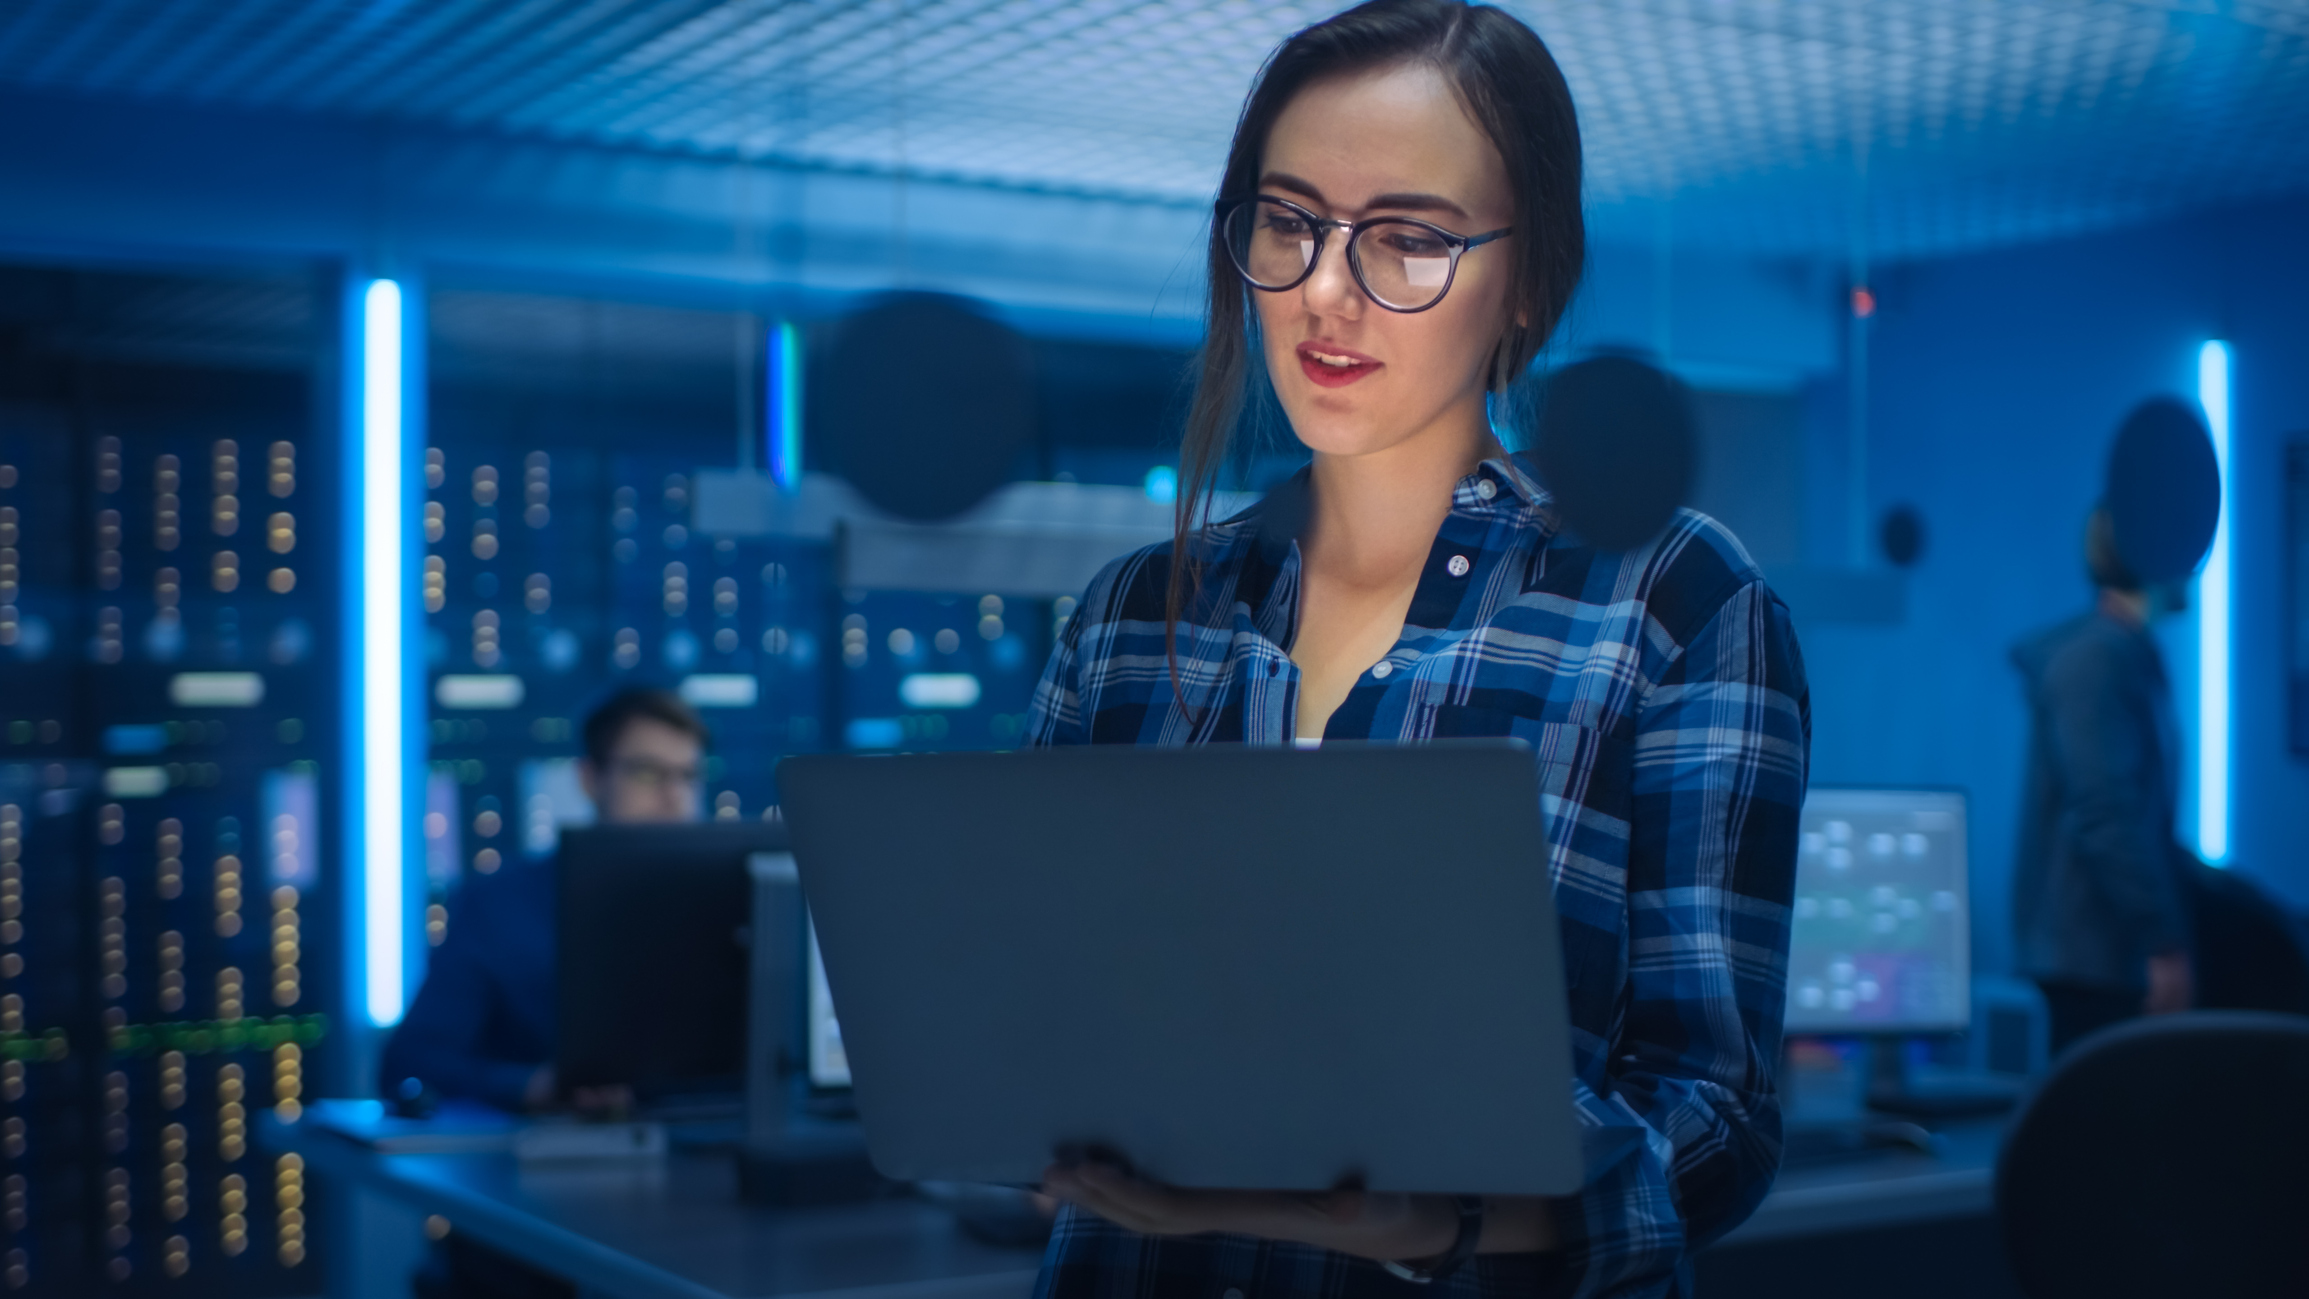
[(1333, 436)]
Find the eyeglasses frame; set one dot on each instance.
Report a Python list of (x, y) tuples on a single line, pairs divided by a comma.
[(1323, 226)]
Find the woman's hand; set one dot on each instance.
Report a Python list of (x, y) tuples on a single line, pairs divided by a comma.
[(1350, 1221)]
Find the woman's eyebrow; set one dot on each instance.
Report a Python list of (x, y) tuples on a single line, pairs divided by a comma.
[(1285, 180), (1388, 202), (1417, 203)]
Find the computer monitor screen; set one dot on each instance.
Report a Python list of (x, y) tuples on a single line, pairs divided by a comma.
[(654, 961), (1881, 940), (829, 1065)]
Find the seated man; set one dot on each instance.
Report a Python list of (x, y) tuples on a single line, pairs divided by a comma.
[(481, 1027)]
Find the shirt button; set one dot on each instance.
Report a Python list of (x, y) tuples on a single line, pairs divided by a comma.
[(1458, 566), (1274, 667), (1486, 488), (1383, 670)]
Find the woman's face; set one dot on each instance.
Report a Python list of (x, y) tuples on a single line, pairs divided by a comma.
[(1354, 377)]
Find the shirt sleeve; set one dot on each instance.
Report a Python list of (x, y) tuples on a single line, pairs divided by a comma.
[(442, 1037), (1686, 1127), (1055, 715), (1061, 710), (2112, 772)]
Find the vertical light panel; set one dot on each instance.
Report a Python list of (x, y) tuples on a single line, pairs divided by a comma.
[(381, 633), (785, 405), (2213, 624)]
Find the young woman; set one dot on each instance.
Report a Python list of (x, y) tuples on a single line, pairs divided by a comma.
[(1397, 233)]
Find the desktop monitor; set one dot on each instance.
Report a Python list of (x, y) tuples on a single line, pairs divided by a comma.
[(655, 930), (1881, 929), (829, 1064)]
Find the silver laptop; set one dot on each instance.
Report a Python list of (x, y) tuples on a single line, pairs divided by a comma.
[(1232, 967)]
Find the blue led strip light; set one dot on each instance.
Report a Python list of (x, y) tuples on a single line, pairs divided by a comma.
[(785, 405), (2213, 624), (381, 633)]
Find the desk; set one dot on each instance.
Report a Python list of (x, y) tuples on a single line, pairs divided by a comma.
[(1894, 1224), (670, 1229), (1885, 1188), (675, 1230)]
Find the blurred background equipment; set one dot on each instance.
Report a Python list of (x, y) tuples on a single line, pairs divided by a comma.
[(2140, 1168), (1909, 261), (1617, 442), (925, 403), (2164, 490), (655, 933), (169, 913)]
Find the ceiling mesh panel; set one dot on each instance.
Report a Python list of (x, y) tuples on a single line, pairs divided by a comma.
[(1771, 126)]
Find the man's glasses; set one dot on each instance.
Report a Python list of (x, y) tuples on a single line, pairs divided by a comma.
[(1403, 264), (654, 775)]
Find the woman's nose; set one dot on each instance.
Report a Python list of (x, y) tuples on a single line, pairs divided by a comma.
[(1331, 290)]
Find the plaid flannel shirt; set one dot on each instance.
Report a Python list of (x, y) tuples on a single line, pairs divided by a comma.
[(1665, 697)]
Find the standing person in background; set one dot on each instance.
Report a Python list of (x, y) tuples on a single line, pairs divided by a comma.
[(481, 1027), (2100, 887)]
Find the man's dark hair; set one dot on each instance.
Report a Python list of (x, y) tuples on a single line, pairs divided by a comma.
[(606, 724), (2103, 562)]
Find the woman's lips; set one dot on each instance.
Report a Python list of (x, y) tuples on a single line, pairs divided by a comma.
[(1334, 367)]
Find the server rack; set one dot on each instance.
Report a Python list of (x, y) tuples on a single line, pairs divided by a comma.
[(166, 721)]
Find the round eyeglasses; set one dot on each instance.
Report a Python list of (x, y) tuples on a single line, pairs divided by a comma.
[(1403, 264)]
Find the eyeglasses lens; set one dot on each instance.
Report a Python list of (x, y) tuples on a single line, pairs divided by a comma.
[(1404, 265), (1272, 245)]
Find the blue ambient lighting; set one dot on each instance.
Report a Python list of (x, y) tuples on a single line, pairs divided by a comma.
[(785, 405), (380, 656), (1162, 484), (2213, 624)]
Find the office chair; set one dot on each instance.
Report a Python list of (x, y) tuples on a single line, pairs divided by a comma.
[(2250, 953), (2164, 1157)]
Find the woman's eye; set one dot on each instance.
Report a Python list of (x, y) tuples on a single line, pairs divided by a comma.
[(1292, 226), (1411, 243)]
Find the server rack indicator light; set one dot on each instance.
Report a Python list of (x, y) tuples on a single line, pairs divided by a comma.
[(167, 505), (172, 1097), (112, 937), (380, 637), (116, 1215), (289, 1204), (168, 858), (232, 1119), (2213, 623), (288, 1081), (108, 550), (224, 485), (169, 992), (537, 489), (487, 650), (232, 1214), (287, 947), (228, 894)]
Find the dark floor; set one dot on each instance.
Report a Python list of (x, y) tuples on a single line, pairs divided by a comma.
[(1951, 1258)]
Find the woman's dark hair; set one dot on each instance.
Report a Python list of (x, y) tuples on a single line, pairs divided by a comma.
[(1510, 85)]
